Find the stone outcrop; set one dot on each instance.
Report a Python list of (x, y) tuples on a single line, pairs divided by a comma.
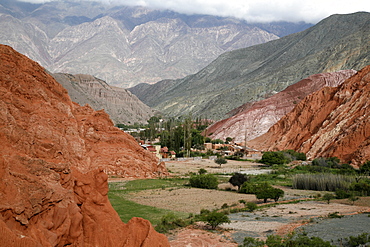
[(54, 160), (121, 105), (254, 119), (331, 122)]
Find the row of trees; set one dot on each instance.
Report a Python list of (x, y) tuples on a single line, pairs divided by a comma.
[(178, 134)]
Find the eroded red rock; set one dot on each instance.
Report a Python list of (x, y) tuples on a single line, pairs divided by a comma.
[(54, 159), (254, 119), (331, 122)]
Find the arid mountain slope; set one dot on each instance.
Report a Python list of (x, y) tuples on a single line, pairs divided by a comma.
[(331, 122), (125, 45), (336, 43), (255, 119), (54, 159), (121, 105)]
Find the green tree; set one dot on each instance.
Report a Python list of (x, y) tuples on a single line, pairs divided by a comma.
[(271, 158), (205, 181), (327, 197), (229, 139), (262, 191), (365, 168), (188, 124), (238, 179), (215, 219), (220, 161)]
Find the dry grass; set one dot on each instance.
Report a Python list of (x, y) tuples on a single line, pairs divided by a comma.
[(190, 200)]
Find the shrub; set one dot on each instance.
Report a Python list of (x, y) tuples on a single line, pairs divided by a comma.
[(204, 181), (169, 222), (202, 171), (295, 155), (252, 242), (238, 179), (341, 194), (363, 187), (215, 218), (327, 197), (360, 240), (331, 162), (271, 158), (290, 240), (365, 168), (220, 161), (251, 206)]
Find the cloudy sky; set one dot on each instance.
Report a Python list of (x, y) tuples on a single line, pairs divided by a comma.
[(252, 10)]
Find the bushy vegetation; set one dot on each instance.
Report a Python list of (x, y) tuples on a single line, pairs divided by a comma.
[(238, 179), (281, 157), (360, 240), (169, 222), (262, 191), (220, 161), (322, 182), (204, 181), (292, 240), (214, 218), (271, 158)]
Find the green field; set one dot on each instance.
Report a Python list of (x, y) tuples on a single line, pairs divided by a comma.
[(126, 209)]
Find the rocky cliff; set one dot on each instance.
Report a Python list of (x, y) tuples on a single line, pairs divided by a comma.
[(247, 75), (331, 122), (254, 119), (121, 105), (54, 159)]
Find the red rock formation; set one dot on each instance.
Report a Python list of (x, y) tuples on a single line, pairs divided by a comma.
[(331, 122), (53, 158), (254, 119)]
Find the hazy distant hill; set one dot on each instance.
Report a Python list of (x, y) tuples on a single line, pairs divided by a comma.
[(121, 105), (126, 45), (246, 75)]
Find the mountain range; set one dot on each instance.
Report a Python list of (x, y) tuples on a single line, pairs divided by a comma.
[(250, 74), (124, 45)]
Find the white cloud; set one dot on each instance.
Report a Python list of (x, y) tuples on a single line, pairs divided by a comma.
[(252, 10)]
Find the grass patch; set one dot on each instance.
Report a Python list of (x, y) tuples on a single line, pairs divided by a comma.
[(127, 209)]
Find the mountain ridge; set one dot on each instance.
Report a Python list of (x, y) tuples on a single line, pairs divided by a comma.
[(245, 75), (254, 119), (132, 47), (332, 122), (122, 106)]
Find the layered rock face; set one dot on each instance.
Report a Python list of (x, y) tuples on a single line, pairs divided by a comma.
[(54, 158), (331, 122), (121, 105), (254, 119)]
